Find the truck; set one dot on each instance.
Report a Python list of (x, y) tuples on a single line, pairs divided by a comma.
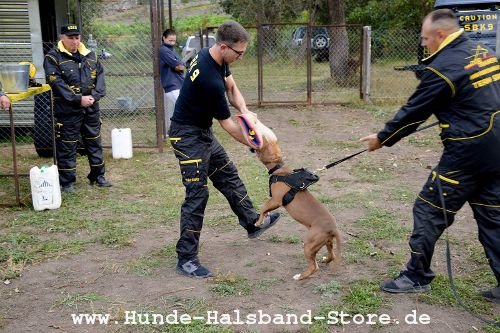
[(478, 18)]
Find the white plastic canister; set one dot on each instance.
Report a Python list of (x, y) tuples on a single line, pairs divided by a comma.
[(121, 142), (45, 191)]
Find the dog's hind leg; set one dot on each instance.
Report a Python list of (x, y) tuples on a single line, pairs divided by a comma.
[(329, 248), (311, 247)]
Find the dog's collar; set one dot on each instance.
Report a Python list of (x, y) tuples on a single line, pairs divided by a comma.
[(274, 168)]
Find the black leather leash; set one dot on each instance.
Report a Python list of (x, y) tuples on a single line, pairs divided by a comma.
[(448, 258), (328, 166)]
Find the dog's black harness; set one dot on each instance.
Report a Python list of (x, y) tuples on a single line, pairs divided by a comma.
[(298, 180)]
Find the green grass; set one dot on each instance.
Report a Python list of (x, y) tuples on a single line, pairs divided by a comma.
[(292, 239), (381, 225), (329, 289), (369, 171), (24, 247), (360, 297), (230, 285), (75, 300), (146, 264), (442, 294), (350, 200), (403, 195)]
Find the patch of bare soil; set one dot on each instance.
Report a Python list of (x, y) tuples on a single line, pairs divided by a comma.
[(38, 301)]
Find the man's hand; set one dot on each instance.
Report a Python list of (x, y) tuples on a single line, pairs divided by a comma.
[(180, 68), (373, 142), (87, 101), (4, 102), (249, 112)]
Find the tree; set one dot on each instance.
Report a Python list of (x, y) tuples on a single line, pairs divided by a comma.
[(272, 11), (339, 41), (388, 15)]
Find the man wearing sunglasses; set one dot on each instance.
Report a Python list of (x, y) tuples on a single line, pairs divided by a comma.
[(201, 157)]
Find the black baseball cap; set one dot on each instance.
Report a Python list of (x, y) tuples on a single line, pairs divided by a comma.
[(70, 30)]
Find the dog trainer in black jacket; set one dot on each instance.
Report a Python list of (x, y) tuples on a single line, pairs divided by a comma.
[(461, 88), (77, 80)]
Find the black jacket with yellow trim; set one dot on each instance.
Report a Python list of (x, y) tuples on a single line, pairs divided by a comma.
[(461, 87), (73, 77)]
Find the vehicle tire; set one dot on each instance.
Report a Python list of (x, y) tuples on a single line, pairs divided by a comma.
[(322, 55), (42, 129), (320, 42)]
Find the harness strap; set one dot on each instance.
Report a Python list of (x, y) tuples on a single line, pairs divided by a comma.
[(299, 180), (289, 196), (274, 168)]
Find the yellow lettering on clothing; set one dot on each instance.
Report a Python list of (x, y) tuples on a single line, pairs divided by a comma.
[(482, 83), (196, 72), (484, 72), (487, 62)]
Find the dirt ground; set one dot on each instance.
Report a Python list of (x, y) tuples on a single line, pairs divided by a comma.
[(310, 137)]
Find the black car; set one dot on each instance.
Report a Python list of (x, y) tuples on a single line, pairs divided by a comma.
[(319, 41)]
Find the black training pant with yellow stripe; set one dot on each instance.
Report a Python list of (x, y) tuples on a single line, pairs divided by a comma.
[(481, 190), (201, 157), (71, 124)]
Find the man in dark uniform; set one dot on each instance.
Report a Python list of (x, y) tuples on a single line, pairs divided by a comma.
[(203, 98), (461, 87), (77, 81)]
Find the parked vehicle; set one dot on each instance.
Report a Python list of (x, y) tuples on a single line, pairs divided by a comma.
[(193, 46), (478, 18), (319, 41)]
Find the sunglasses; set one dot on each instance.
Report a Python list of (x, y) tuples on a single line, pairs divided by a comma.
[(239, 53)]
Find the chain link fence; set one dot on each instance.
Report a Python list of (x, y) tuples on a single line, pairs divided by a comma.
[(283, 64), (393, 50), (293, 71), (286, 60)]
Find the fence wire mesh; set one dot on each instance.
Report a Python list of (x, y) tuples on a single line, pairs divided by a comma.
[(283, 53), (274, 69), (129, 101), (392, 50)]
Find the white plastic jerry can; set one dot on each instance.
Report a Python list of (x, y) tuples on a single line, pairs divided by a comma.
[(45, 191), (121, 143)]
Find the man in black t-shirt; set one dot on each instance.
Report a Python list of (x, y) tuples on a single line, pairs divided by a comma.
[(203, 98)]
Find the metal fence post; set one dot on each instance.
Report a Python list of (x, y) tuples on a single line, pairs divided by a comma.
[(158, 88), (260, 80), (366, 64), (308, 36)]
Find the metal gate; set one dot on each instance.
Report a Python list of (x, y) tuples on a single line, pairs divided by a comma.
[(306, 64)]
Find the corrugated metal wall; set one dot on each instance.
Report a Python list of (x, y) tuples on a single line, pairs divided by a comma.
[(15, 34)]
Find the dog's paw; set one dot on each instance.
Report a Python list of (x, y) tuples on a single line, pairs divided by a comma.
[(296, 277)]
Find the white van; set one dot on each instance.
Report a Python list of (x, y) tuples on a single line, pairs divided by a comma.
[(193, 46)]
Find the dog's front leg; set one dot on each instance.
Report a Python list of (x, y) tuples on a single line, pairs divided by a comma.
[(270, 205)]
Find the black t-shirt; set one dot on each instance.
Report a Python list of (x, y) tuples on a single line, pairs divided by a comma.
[(203, 94)]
